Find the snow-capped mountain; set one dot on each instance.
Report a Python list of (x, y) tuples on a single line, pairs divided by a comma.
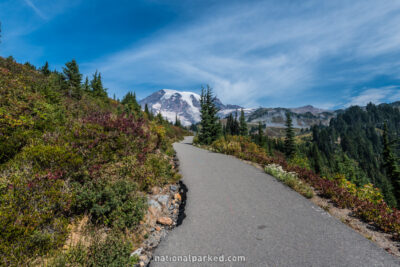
[(186, 105)]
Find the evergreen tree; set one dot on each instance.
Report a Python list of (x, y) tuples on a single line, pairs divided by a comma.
[(210, 126), (236, 128), (97, 85), (177, 121), (229, 129), (260, 135), (159, 118), (149, 114), (45, 69), (86, 85), (242, 124), (316, 158), (390, 163), (73, 79), (129, 101), (290, 148)]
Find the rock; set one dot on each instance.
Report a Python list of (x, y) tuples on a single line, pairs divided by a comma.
[(173, 188), (165, 221), (171, 207), (143, 258), (155, 190), (137, 252), (153, 203), (154, 211), (151, 216), (158, 228), (152, 229), (163, 199), (178, 197)]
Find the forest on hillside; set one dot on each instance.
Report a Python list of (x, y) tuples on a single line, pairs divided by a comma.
[(352, 145)]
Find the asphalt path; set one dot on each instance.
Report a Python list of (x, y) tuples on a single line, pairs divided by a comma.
[(235, 211)]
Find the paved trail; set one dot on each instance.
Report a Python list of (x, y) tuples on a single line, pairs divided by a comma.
[(235, 209)]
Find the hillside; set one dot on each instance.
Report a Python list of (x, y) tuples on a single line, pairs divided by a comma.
[(352, 143), (69, 153), (303, 117)]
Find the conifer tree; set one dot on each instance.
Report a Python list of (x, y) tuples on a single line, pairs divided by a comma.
[(242, 124), (390, 163), (86, 86), (177, 121), (45, 69), (149, 113), (260, 135), (97, 85), (210, 126), (235, 125), (129, 101), (290, 148), (229, 125), (73, 79), (146, 110)]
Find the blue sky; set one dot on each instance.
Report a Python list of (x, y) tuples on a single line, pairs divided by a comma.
[(330, 54)]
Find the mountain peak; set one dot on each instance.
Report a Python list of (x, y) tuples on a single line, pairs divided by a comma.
[(186, 105)]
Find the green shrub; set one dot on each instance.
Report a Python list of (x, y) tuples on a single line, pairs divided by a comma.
[(108, 203), (32, 216), (113, 251), (43, 157)]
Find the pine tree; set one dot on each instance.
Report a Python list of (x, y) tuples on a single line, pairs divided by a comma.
[(316, 158), (97, 85), (210, 125), (73, 79), (177, 121), (228, 127), (129, 101), (290, 148), (260, 135), (150, 115), (45, 69), (242, 124), (390, 163), (235, 128), (86, 86)]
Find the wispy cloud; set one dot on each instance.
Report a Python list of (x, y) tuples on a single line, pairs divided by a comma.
[(376, 96), (263, 51), (36, 9)]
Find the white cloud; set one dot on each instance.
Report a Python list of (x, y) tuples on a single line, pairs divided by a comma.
[(376, 96), (259, 50)]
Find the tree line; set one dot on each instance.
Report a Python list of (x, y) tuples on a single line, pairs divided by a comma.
[(360, 143)]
